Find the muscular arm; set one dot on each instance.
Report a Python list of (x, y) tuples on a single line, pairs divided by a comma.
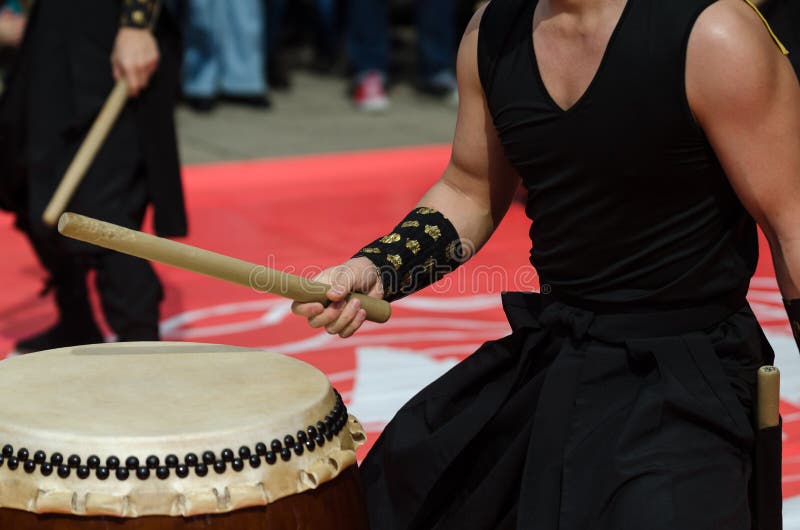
[(478, 185), (474, 193), (746, 98)]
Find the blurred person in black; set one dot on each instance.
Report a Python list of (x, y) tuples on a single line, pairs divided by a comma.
[(71, 54), (784, 17)]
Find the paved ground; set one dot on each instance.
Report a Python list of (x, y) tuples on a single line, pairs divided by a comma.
[(314, 117)]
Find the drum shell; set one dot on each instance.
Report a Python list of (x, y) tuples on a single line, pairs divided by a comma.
[(333, 505)]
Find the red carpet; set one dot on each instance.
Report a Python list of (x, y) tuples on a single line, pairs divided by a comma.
[(301, 214)]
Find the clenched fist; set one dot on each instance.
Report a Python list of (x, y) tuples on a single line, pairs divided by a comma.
[(135, 58)]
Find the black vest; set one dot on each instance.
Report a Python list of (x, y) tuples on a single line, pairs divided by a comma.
[(629, 203)]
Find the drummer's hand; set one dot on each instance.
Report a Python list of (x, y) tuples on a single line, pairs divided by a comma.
[(12, 27), (357, 275), (135, 58)]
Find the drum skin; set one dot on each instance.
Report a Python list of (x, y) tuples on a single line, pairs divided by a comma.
[(152, 436), (335, 505)]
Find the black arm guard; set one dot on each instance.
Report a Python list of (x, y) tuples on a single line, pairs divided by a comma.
[(420, 250), (793, 310)]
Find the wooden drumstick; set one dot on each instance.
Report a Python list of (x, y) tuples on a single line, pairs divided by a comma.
[(218, 266), (87, 153), (769, 389)]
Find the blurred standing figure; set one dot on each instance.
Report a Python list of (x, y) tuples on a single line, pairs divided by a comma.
[(784, 17), (70, 56), (224, 53), (368, 50)]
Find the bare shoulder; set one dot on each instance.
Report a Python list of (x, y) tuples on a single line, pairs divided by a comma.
[(731, 55)]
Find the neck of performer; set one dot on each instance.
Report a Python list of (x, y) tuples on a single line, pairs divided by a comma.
[(575, 7)]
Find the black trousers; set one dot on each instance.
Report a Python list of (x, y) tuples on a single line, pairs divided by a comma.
[(129, 290)]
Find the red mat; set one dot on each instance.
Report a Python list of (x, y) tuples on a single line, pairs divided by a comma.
[(302, 214)]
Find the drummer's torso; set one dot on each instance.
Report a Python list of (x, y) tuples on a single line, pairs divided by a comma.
[(628, 200)]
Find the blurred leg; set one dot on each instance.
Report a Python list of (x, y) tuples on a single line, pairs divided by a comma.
[(130, 293), (75, 325), (242, 48), (368, 35), (436, 29), (200, 65)]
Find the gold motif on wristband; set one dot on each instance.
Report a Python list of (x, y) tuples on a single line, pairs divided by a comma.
[(413, 246), (395, 260), (371, 250), (410, 224), (429, 264), (426, 211), (434, 231), (451, 253), (391, 238)]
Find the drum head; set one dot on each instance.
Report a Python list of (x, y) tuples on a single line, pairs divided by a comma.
[(133, 429)]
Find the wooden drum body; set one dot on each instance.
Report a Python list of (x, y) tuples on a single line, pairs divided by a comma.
[(160, 436)]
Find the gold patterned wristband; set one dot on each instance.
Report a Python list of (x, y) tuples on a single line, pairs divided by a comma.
[(418, 252), (138, 13), (793, 310)]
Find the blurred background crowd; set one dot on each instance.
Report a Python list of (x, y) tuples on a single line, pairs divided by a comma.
[(239, 51)]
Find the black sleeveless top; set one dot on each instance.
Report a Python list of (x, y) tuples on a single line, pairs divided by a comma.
[(630, 206), (784, 17)]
